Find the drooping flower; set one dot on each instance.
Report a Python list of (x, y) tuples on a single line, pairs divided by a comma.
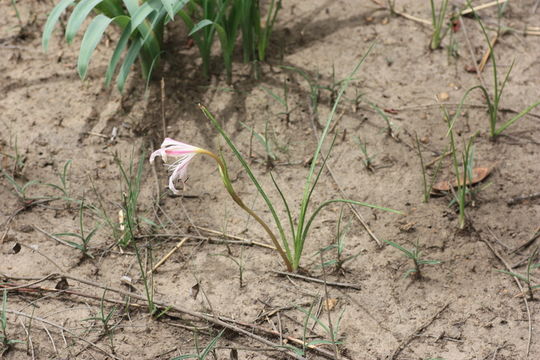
[(182, 153)]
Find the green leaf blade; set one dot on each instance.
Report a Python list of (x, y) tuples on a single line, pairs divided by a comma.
[(55, 14), (91, 39), (80, 13)]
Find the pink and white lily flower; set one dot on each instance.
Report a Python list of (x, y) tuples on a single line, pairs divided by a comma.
[(182, 153)]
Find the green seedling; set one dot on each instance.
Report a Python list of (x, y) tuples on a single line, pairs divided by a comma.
[(5, 340), (437, 21), (356, 100), (63, 186), (531, 265), (84, 238), (283, 100), (367, 159), (265, 142), (105, 319), (314, 91), (428, 186), (331, 331), (389, 126), (463, 176), (202, 354), (339, 247), (21, 190), (131, 186), (239, 261), (141, 25), (19, 160), (453, 47), (334, 86), (494, 100), (416, 256), (148, 282)]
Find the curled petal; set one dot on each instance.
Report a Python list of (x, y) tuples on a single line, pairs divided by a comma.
[(183, 153), (179, 171), (159, 152)]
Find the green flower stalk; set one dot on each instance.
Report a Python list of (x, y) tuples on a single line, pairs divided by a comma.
[(183, 154)]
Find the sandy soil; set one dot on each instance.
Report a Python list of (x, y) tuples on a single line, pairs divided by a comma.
[(461, 308)]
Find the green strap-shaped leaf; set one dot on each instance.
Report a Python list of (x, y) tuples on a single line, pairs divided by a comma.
[(139, 16), (78, 16), (111, 8), (52, 20), (131, 56), (201, 24), (115, 58), (90, 40), (131, 6), (168, 5)]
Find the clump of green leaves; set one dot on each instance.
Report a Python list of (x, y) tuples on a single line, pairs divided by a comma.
[(494, 100), (416, 256), (367, 159), (84, 238), (141, 24), (339, 246), (428, 185), (331, 330), (105, 318), (437, 21)]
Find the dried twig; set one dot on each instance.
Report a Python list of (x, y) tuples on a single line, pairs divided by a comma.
[(312, 279), (521, 198), (416, 332), (229, 323), (533, 238), (244, 242), (487, 54), (160, 262), (482, 7), (45, 321)]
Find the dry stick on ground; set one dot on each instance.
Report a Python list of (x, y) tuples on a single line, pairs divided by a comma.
[(291, 339), (45, 321), (521, 198), (416, 332), (505, 263), (166, 257), (487, 54), (245, 242), (482, 7), (480, 106), (307, 278), (215, 320), (50, 338), (528, 242)]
